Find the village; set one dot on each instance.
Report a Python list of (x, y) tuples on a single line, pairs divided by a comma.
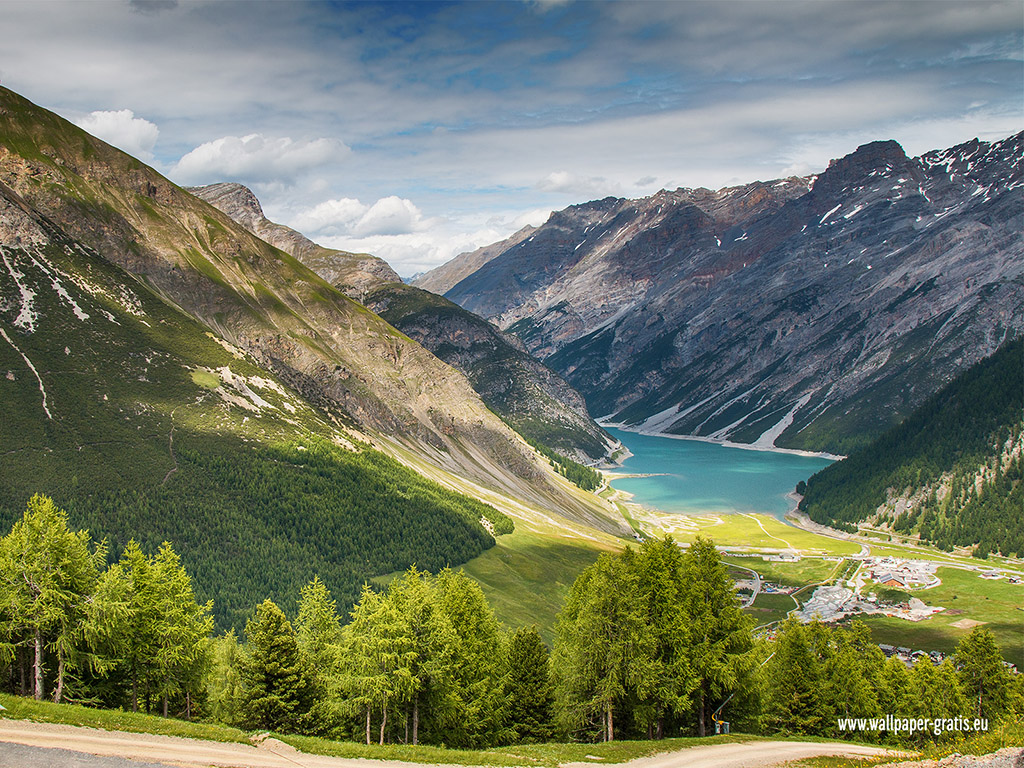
[(867, 585)]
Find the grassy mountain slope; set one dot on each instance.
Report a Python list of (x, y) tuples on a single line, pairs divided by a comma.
[(143, 424), (341, 357), (527, 395), (530, 397), (951, 472)]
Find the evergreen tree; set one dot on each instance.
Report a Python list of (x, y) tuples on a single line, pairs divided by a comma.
[(47, 574), (794, 683), (318, 633), (277, 693), (984, 679), (479, 663), (434, 698), (182, 629), (662, 588), (719, 632), (378, 654), (223, 682), (529, 691), (603, 649), (853, 664)]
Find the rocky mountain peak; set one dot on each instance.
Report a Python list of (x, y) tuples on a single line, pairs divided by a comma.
[(877, 158), (794, 313), (236, 200)]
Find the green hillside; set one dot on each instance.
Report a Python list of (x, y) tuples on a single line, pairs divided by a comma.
[(950, 473), (528, 397), (141, 423)]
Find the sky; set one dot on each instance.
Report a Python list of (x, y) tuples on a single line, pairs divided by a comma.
[(419, 130)]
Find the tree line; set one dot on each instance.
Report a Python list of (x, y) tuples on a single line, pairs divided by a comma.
[(967, 425), (309, 507), (650, 643)]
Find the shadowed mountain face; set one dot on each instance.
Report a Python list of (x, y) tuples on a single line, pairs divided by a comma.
[(806, 313), (353, 367), (531, 398)]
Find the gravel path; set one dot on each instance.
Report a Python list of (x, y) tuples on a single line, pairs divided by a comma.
[(25, 744)]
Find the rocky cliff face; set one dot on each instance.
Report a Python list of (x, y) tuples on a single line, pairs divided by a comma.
[(346, 361), (533, 399), (808, 313)]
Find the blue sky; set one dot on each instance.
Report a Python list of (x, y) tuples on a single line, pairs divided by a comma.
[(418, 130)]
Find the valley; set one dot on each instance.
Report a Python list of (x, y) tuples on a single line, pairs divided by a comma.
[(312, 432)]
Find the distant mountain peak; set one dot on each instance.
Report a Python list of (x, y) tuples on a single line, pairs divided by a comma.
[(807, 312)]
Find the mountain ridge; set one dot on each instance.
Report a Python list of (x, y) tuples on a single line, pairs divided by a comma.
[(528, 396), (361, 372), (807, 313)]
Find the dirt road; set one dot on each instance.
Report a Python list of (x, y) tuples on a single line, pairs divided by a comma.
[(56, 745)]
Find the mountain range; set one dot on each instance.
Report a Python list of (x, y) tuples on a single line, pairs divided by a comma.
[(531, 398), (809, 313), (167, 374)]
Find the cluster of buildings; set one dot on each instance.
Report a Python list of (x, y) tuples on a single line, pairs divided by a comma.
[(901, 574)]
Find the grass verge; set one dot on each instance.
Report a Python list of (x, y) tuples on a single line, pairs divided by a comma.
[(543, 755), (19, 708)]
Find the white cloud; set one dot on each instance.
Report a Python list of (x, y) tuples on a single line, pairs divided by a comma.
[(570, 183), (256, 158), (124, 130), (331, 217), (388, 216)]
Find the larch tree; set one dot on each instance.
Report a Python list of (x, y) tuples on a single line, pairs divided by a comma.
[(378, 657), (47, 574), (480, 664), (984, 679), (318, 633), (603, 649), (432, 661), (661, 584), (530, 694), (182, 630)]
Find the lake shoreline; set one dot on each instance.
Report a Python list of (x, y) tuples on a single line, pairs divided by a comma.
[(602, 422)]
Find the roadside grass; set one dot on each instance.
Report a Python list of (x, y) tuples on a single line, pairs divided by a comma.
[(999, 604), (526, 577), (544, 755), (1002, 736), (20, 708)]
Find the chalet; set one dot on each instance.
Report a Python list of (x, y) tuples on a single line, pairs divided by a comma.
[(890, 579)]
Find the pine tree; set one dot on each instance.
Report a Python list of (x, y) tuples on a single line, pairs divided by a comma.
[(318, 633), (794, 683), (276, 690), (434, 697), (223, 682), (529, 690), (182, 630), (983, 676), (378, 654), (603, 648), (661, 581), (719, 632), (479, 663)]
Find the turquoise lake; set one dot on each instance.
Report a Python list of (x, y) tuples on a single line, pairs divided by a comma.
[(693, 476)]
